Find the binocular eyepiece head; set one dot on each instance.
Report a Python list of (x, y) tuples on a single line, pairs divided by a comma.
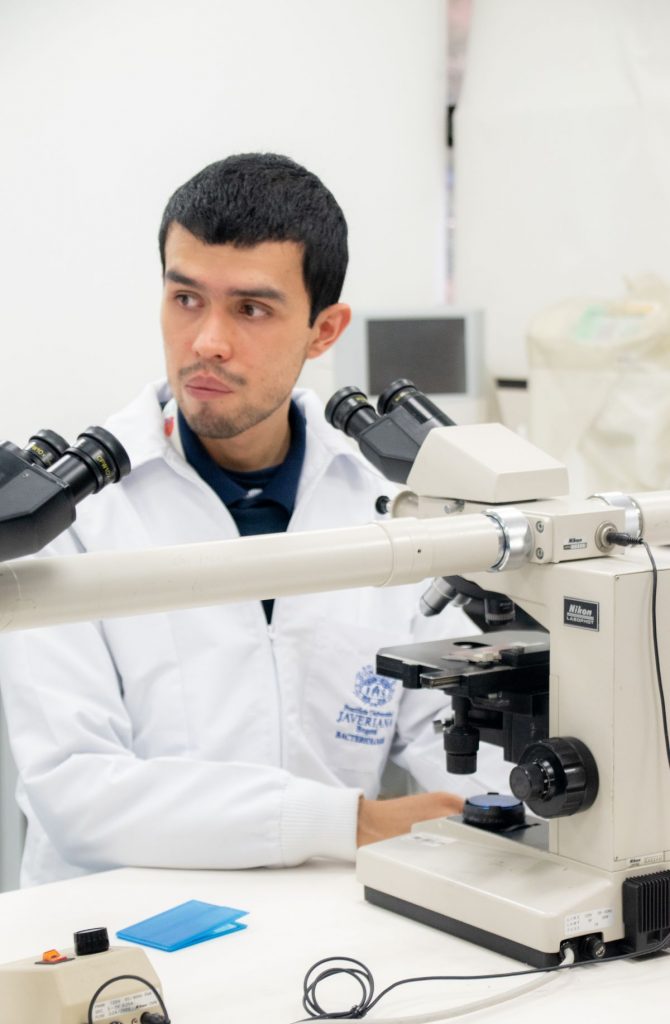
[(390, 436), (93, 461), (41, 483)]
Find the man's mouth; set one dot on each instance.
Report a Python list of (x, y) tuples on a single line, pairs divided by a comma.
[(204, 386)]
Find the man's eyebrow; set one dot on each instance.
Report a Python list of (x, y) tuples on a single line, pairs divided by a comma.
[(257, 293), (252, 292), (174, 275)]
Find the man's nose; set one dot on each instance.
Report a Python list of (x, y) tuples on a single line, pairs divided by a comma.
[(215, 338)]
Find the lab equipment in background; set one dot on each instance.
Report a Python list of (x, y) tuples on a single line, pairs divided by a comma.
[(441, 349), (90, 982), (599, 387)]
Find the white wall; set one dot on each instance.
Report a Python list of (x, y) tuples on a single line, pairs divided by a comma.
[(562, 158), (107, 108)]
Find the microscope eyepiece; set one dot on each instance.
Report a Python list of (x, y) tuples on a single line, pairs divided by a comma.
[(394, 394), (41, 484), (93, 461), (419, 406), (44, 448), (350, 410)]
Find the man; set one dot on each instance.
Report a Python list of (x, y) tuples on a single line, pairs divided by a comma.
[(240, 735)]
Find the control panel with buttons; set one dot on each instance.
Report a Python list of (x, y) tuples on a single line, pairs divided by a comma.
[(58, 985)]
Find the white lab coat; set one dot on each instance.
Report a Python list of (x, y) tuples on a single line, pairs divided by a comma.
[(206, 738)]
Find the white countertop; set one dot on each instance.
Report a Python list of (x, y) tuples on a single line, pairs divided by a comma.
[(297, 916)]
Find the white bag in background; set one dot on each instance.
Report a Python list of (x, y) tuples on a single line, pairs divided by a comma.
[(599, 383)]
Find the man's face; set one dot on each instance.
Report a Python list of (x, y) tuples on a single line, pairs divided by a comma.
[(235, 329)]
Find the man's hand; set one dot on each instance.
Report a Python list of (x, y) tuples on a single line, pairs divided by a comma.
[(381, 819)]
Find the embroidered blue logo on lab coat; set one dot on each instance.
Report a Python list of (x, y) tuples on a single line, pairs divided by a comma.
[(367, 724), (373, 690)]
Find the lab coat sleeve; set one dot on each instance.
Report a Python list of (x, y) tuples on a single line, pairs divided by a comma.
[(419, 749), (102, 806)]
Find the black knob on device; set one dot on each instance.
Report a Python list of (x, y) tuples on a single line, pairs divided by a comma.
[(529, 780), (593, 947), (91, 940), (461, 743), (383, 504), (556, 777)]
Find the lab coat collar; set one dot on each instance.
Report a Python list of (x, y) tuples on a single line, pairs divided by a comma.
[(141, 428)]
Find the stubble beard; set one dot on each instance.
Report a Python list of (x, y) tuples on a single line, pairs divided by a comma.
[(207, 422), (217, 426)]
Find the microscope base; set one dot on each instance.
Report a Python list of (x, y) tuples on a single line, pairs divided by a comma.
[(500, 892), (496, 943)]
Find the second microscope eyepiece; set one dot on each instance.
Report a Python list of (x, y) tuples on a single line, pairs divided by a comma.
[(93, 461), (44, 448), (404, 392)]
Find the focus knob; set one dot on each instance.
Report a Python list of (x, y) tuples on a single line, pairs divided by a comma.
[(556, 777), (528, 781)]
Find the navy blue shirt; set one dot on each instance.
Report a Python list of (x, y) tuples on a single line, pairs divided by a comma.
[(261, 501)]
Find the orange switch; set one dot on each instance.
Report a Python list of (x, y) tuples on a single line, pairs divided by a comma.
[(53, 956)]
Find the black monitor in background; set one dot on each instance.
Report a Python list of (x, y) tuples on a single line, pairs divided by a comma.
[(433, 351), (438, 349)]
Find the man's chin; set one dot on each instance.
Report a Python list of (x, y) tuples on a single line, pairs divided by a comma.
[(215, 427)]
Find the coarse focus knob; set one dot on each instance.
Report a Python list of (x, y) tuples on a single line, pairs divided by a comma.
[(91, 940), (556, 777)]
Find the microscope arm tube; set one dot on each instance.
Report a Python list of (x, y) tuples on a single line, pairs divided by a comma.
[(647, 514), (46, 591), (654, 509)]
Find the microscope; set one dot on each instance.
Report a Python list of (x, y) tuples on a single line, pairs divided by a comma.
[(569, 673), (577, 854)]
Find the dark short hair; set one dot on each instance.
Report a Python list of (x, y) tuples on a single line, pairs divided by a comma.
[(263, 197)]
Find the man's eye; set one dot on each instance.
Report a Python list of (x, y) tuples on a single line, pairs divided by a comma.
[(251, 310), (185, 300)]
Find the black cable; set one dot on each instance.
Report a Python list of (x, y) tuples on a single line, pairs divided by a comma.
[(657, 659), (360, 972), (363, 976), (625, 540), (129, 977)]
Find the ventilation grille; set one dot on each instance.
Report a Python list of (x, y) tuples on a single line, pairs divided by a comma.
[(646, 909)]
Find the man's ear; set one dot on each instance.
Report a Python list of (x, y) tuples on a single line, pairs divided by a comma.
[(327, 328)]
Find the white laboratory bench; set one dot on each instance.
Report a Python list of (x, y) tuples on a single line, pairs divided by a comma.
[(296, 916)]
